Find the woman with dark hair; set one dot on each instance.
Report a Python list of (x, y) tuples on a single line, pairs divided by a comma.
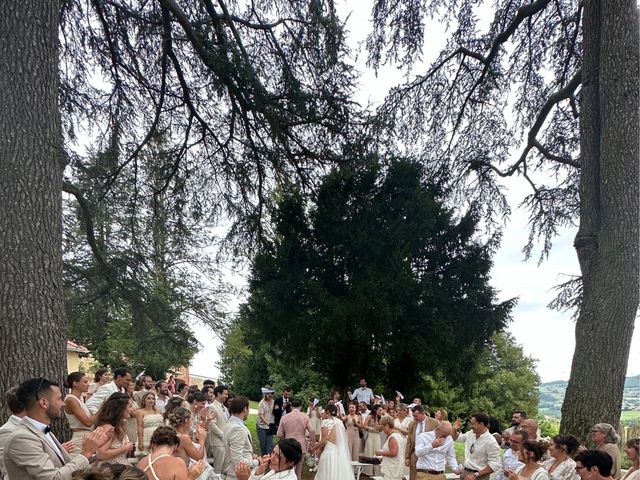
[(79, 416), (281, 463), (606, 439), (561, 465), (632, 449), (335, 461), (148, 418), (115, 411), (100, 378), (162, 463), (531, 453), (173, 404)]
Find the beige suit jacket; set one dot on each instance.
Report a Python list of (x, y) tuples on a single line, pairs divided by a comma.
[(29, 456), (237, 447), (217, 425)]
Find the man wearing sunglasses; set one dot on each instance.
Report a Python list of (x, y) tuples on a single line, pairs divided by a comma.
[(32, 451), (481, 451)]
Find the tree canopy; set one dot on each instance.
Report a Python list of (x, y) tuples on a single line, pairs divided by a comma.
[(376, 278)]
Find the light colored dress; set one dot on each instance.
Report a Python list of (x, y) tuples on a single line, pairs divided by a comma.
[(122, 458), (149, 424), (79, 428), (316, 421), (635, 475), (539, 474), (335, 463), (353, 436), (565, 470), (372, 444), (392, 468)]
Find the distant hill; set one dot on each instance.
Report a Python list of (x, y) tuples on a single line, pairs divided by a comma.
[(552, 395)]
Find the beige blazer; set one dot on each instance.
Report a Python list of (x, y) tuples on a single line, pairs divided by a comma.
[(29, 456), (237, 447), (217, 425), (294, 425)]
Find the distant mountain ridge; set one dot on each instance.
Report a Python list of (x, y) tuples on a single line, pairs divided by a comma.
[(552, 395)]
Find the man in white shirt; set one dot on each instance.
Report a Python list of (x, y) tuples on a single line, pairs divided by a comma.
[(510, 458), (481, 451), (32, 451), (17, 414), (363, 394), (422, 422), (434, 450), (121, 380)]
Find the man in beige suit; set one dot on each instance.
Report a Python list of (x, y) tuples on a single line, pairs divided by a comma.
[(421, 423), (237, 439), (15, 420), (215, 439), (32, 451)]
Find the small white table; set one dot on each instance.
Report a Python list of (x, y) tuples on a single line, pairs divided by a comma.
[(358, 467)]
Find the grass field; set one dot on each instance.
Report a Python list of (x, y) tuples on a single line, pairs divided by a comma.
[(630, 415)]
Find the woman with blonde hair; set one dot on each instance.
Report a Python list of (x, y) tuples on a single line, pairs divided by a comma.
[(148, 418), (393, 451)]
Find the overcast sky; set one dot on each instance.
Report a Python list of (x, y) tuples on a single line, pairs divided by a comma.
[(546, 335)]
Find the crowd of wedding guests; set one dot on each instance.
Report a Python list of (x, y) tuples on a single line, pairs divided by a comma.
[(165, 429)]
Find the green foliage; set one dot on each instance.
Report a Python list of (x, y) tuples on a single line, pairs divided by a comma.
[(376, 278), (549, 427), (503, 380)]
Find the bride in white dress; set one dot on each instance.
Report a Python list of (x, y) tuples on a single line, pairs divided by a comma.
[(335, 461)]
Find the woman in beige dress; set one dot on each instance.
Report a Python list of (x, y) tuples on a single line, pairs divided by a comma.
[(148, 419), (353, 423), (76, 411), (374, 438), (561, 465)]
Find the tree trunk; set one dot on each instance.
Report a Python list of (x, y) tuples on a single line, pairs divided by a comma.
[(607, 241), (33, 327)]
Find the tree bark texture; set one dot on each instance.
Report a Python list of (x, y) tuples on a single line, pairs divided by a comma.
[(607, 241), (33, 327)]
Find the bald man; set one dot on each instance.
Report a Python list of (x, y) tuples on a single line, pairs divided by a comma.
[(434, 450), (530, 425)]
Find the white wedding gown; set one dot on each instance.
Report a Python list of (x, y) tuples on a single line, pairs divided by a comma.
[(335, 461)]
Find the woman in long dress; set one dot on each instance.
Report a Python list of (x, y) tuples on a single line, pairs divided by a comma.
[(148, 418), (374, 438), (314, 413), (353, 423), (392, 452), (335, 463), (79, 416)]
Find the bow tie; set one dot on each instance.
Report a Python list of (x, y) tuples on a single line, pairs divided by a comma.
[(47, 429)]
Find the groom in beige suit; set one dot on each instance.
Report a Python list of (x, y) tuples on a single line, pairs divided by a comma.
[(215, 439), (32, 451), (237, 439)]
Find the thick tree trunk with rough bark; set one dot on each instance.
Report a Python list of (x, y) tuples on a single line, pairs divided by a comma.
[(33, 327), (607, 241)]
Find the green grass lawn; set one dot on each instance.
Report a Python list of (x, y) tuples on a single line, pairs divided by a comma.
[(630, 415)]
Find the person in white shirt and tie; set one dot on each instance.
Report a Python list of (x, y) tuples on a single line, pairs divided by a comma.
[(32, 451), (434, 450), (121, 380), (481, 451), (363, 394)]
